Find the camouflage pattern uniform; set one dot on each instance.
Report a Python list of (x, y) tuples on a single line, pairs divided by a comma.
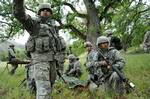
[(43, 44), (29, 75), (112, 81), (74, 68), (61, 56), (114, 41), (11, 57), (146, 42), (30, 79), (89, 60)]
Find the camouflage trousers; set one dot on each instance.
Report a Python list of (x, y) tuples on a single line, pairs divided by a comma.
[(44, 75), (30, 79), (114, 84)]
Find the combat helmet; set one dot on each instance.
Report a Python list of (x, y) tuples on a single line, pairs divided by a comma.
[(11, 45), (71, 56), (109, 32), (102, 39), (44, 6), (87, 44)]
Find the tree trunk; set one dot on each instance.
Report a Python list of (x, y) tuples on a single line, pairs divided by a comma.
[(125, 47), (93, 22)]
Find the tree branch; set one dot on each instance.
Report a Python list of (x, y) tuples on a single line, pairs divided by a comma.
[(30, 9), (106, 9), (144, 10), (74, 10), (74, 29), (3, 14), (9, 34), (6, 23)]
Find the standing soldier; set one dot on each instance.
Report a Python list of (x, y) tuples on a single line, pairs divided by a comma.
[(112, 81), (146, 42), (12, 57), (43, 44), (74, 68)]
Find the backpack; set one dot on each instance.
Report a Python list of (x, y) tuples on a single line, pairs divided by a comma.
[(116, 43)]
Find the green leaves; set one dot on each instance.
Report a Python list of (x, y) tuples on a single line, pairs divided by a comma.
[(72, 15)]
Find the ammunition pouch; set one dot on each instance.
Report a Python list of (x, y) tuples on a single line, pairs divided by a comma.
[(104, 69), (30, 45)]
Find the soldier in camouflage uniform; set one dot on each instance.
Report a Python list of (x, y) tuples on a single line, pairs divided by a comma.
[(89, 60), (146, 42), (43, 44), (112, 81), (12, 57), (74, 68)]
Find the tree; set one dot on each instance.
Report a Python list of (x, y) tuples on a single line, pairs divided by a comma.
[(87, 19), (131, 22), (9, 25)]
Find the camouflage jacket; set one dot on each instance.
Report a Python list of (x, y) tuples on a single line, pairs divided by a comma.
[(44, 41), (89, 61), (73, 67), (146, 41), (112, 55), (61, 55)]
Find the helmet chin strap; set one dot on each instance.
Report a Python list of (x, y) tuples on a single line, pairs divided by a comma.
[(104, 49), (44, 19)]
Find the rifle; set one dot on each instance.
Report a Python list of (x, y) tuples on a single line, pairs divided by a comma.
[(60, 76), (22, 82), (129, 86)]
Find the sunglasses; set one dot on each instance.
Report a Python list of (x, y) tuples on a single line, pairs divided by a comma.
[(46, 9), (87, 46)]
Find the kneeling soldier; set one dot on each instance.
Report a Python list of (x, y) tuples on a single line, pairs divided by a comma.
[(74, 68), (106, 58)]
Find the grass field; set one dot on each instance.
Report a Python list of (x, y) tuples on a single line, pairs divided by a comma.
[(137, 69)]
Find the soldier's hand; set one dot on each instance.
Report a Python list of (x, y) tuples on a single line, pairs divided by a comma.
[(108, 66), (104, 63)]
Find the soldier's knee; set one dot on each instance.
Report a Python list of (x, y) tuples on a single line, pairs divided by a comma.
[(43, 87), (115, 76)]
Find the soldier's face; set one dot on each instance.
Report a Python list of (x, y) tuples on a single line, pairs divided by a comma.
[(104, 45), (88, 48), (70, 60), (45, 13)]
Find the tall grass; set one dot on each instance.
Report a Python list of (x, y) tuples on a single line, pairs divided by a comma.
[(137, 69)]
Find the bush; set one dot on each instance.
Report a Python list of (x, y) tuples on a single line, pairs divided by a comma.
[(77, 47)]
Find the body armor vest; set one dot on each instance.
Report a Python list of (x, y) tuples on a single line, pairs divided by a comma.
[(44, 38)]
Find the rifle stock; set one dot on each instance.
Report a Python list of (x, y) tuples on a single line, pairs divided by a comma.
[(128, 84), (59, 74)]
